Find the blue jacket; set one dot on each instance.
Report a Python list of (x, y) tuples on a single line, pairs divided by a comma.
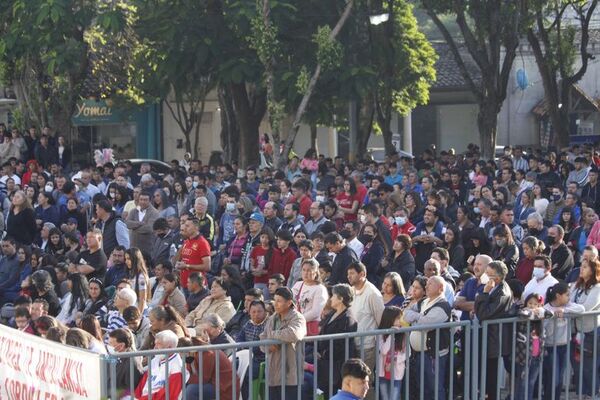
[(9, 276), (343, 395)]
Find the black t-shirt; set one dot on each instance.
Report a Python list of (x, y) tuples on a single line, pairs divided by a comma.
[(96, 260)]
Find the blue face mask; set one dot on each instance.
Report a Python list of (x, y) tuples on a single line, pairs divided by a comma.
[(195, 184), (400, 221)]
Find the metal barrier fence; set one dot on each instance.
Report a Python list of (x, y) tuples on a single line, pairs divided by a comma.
[(476, 351)]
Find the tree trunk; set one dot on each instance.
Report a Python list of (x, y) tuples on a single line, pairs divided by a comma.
[(487, 121), (313, 136), (230, 130), (366, 113), (249, 117)]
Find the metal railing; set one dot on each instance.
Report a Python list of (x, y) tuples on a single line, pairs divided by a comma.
[(464, 370)]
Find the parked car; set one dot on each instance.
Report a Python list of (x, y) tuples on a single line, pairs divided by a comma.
[(158, 167)]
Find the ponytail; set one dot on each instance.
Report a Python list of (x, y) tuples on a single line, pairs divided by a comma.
[(553, 291)]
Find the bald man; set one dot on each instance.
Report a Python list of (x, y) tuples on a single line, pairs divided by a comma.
[(465, 301)]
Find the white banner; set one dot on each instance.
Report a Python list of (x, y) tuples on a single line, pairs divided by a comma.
[(38, 369)]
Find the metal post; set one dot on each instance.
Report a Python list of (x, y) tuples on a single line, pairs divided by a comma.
[(407, 134)]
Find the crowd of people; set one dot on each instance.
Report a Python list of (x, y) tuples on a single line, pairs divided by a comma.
[(114, 259)]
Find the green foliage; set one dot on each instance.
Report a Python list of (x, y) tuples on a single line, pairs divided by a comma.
[(329, 51), (303, 80)]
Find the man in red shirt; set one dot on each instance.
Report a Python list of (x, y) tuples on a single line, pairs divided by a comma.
[(304, 201), (195, 252), (361, 190)]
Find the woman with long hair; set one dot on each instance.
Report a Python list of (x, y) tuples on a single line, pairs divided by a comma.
[(586, 292), (74, 301), (330, 354), (348, 200), (97, 301), (137, 274), (43, 287), (392, 289), (231, 275), (414, 205), (532, 247), (567, 221), (163, 318), (160, 201), (20, 222), (524, 207), (173, 296), (180, 196), (56, 245), (505, 248), (453, 243), (310, 295)]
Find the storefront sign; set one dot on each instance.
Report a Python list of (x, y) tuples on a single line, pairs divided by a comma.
[(36, 368), (92, 112)]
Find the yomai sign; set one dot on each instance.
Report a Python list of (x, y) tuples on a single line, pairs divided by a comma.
[(91, 112)]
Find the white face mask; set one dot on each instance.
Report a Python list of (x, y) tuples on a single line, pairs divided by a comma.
[(363, 219), (110, 349), (320, 199), (539, 273)]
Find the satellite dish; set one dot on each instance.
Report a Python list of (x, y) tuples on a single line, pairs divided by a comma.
[(522, 80)]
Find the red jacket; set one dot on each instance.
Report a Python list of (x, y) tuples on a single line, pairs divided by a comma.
[(281, 262)]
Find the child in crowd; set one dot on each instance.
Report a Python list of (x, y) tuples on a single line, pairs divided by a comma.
[(529, 346), (23, 320), (391, 359), (260, 257), (555, 343)]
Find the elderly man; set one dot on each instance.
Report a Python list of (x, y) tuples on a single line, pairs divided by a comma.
[(159, 366), (288, 326), (434, 309), (213, 327), (535, 226), (205, 221), (270, 214), (560, 255), (495, 303), (465, 301), (434, 268)]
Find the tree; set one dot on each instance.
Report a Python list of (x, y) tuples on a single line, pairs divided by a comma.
[(176, 61), (47, 48), (405, 62), (490, 30), (267, 43), (552, 40)]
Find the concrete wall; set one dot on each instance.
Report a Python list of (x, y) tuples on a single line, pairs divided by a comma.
[(457, 126)]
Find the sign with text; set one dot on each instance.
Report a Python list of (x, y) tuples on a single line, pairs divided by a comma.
[(102, 112), (36, 368)]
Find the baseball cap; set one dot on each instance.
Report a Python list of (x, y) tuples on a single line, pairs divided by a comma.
[(258, 217)]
